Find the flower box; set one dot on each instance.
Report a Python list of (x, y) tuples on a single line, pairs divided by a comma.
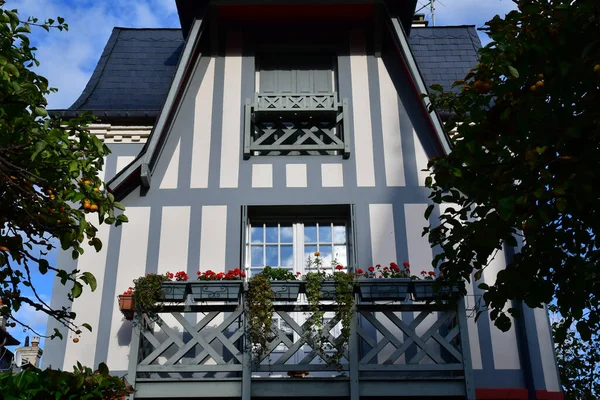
[(174, 291), (285, 290), (216, 290), (327, 291), (384, 289), (425, 290), (127, 306)]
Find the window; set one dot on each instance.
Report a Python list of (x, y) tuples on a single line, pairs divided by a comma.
[(285, 236), (289, 244)]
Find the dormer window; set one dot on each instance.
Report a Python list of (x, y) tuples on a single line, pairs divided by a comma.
[(296, 110)]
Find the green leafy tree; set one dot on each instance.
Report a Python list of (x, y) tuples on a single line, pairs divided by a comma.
[(578, 361), (524, 164), (81, 384), (48, 178)]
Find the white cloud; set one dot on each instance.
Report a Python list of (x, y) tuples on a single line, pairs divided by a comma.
[(68, 58)]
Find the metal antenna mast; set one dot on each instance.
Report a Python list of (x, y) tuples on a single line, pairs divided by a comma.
[(431, 5)]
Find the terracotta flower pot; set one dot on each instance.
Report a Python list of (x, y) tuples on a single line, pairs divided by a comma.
[(127, 306)]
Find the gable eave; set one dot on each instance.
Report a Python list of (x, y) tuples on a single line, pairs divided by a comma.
[(407, 59), (139, 171)]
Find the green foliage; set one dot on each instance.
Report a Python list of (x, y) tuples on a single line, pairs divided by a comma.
[(278, 274), (147, 292), (331, 353), (524, 160), (344, 305), (260, 313), (81, 384), (578, 362), (48, 178), (260, 306), (313, 334)]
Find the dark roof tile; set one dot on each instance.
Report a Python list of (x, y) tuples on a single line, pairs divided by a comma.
[(134, 71), (444, 54), (137, 65)]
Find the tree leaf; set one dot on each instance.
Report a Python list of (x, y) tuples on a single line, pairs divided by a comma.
[(77, 290), (513, 71)]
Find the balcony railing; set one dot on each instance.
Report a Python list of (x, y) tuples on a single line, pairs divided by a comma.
[(296, 124), (396, 348)]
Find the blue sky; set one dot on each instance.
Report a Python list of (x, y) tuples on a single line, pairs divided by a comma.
[(68, 58)]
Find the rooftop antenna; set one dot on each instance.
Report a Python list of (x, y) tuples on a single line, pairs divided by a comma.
[(431, 5)]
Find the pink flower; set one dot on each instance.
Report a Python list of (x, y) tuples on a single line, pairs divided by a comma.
[(339, 267)]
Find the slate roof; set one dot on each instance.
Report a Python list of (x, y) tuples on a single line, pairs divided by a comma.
[(135, 70), (444, 54)]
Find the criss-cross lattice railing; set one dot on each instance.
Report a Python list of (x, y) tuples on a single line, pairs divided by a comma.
[(203, 342), (397, 342), (296, 124)]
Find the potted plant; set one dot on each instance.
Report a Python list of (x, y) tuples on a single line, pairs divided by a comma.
[(429, 287), (217, 286), (127, 304), (385, 283), (263, 288), (148, 293), (284, 286)]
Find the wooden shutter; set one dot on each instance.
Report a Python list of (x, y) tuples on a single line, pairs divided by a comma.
[(297, 73)]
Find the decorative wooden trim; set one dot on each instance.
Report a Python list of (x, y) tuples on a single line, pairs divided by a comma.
[(121, 133)]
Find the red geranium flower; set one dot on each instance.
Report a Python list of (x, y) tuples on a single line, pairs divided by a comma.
[(371, 269), (339, 267), (359, 271), (431, 273), (406, 264)]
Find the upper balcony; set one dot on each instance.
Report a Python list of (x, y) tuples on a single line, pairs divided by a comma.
[(296, 124), (397, 347)]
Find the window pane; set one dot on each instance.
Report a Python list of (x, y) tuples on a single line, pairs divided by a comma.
[(340, 255), (286, 233), (326, 255), (256, 233), (272, 260), (339, 234), (256, 259), (272, 234), (287, 256), (309, 251), (325, 233), (310, 233)]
